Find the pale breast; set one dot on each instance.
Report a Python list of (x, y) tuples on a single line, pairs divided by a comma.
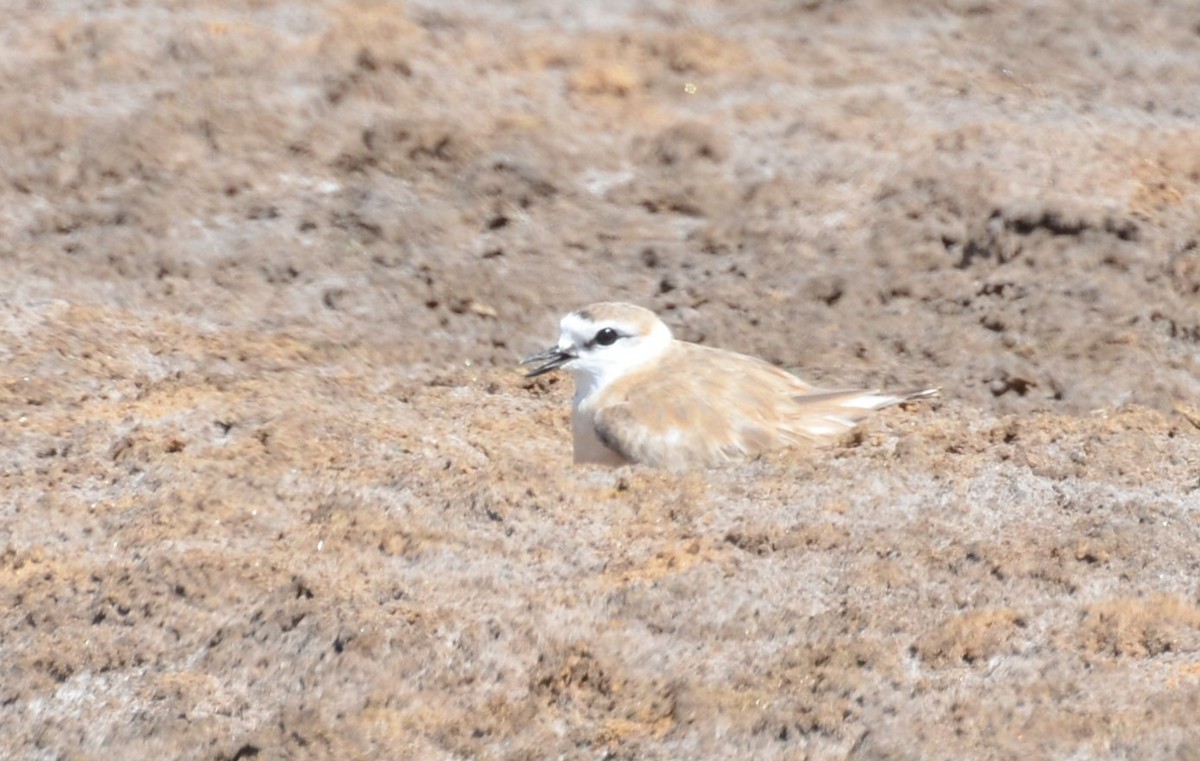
[(587, 445)]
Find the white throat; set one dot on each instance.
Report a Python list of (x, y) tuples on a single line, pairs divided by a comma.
[(592, 374), (597, 366)]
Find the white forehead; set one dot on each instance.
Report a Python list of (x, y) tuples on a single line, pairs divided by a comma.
[(582, 325)]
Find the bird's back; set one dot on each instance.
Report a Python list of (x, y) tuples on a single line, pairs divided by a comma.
[(699, 406)]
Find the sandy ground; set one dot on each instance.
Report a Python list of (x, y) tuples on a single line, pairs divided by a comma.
[(273, 488)]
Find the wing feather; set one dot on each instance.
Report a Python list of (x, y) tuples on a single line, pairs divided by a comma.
[(677, 420), (705, 407)]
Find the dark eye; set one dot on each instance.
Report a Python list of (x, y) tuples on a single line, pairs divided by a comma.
[(606, 337)]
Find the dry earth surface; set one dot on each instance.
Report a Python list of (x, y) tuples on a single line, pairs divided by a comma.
[(273, 488)]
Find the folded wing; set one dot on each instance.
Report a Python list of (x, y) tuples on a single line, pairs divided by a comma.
[(713, 407)]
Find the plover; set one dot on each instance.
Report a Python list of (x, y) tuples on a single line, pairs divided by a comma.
[(641, 396)]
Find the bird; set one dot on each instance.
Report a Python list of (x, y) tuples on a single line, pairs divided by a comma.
[(643, 396)]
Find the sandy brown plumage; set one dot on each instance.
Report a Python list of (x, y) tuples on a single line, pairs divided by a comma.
[(644, 397)]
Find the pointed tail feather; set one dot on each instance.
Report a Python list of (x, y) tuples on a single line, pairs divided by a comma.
[(863, 399), (822, 414)]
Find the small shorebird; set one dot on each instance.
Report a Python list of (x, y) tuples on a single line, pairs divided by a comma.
[(642, 396)]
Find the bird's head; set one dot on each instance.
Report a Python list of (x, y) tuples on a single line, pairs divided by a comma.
[(601, 342)]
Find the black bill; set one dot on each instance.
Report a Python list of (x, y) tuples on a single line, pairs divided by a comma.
[(552, 359)]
